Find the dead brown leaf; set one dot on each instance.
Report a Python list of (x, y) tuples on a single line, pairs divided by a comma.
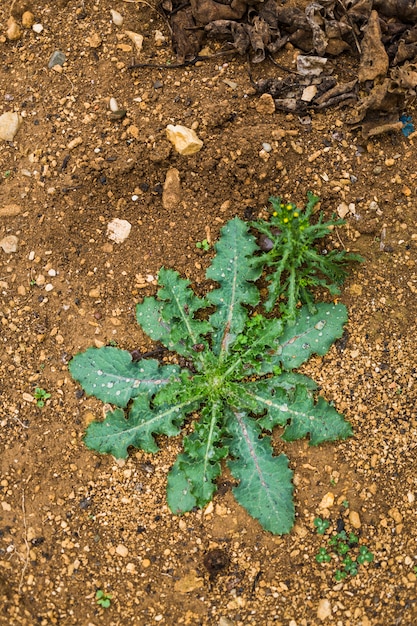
[(374, 60)]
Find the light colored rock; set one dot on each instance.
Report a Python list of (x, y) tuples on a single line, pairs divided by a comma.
[(116, 17), (188, 583), (171, 195), (13, 32), (10, 210), (94, 40), (37, 28), (113, 106), (136, 38), (74, 143), (309, 93), (122, 550), (354, 519), (327, 501), (118, 230), (395, 515), (10, 123), (265, 104), (28, 19), (9, 244), (159, 38), (324, 609), (184, 139)]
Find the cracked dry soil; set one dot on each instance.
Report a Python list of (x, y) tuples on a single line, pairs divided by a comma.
[(73, 522)]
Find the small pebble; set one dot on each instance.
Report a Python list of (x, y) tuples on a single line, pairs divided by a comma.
[(324, 609), (28, 19), (56, 58), (267, 147), (10, 123), (48, 287), (37, 28), (122, 550), (327, 501), (13, 32), (116, 17), (9, 244), (113, 105), (354, 519), (265, 104)]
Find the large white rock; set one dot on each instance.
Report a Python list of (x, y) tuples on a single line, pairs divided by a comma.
[(118, 230), (10, 123), (184, 139)]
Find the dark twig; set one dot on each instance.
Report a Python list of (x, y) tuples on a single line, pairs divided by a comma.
[(185, 63)]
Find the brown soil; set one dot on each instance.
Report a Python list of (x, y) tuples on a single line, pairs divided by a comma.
[(72, 521)]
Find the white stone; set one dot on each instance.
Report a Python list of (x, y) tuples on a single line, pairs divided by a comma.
[(9, 244), (184, 139), (113, 106), (118, 230), (309, 93), (10, 123), (136, 38), (324, 609), (116, 17), (37, 28)]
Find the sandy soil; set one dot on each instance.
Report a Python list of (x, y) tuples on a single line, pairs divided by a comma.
[(72, 521)]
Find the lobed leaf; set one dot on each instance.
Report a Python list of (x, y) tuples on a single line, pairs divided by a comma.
[(116, 433), (190, 481), (110, 375), (321, 421), (311, 334), (170, 319), (233, 270), (271, 396), (265, 488)]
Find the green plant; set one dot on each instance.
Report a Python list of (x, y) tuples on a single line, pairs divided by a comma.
[(239, 382), (203, 245), (321, 525), (103, 598), (40, 396), (343, 546), (296, 266)]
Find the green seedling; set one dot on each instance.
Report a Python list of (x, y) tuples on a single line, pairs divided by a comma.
[(103, 599), (323, 556), (342, 546), (321, 525), (203, 245), (295, 265), (238, 382), (41, 396)]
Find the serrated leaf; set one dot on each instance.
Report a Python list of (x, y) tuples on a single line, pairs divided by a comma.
[(233, 270), (271, 396), (116, 433), (170, 319), (179, 487), (196, 469), (265, 488), (311, 334), (110, 375), (321, 421)]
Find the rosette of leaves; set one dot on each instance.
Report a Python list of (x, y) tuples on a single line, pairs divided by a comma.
[(240, 383), (295, 266)]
